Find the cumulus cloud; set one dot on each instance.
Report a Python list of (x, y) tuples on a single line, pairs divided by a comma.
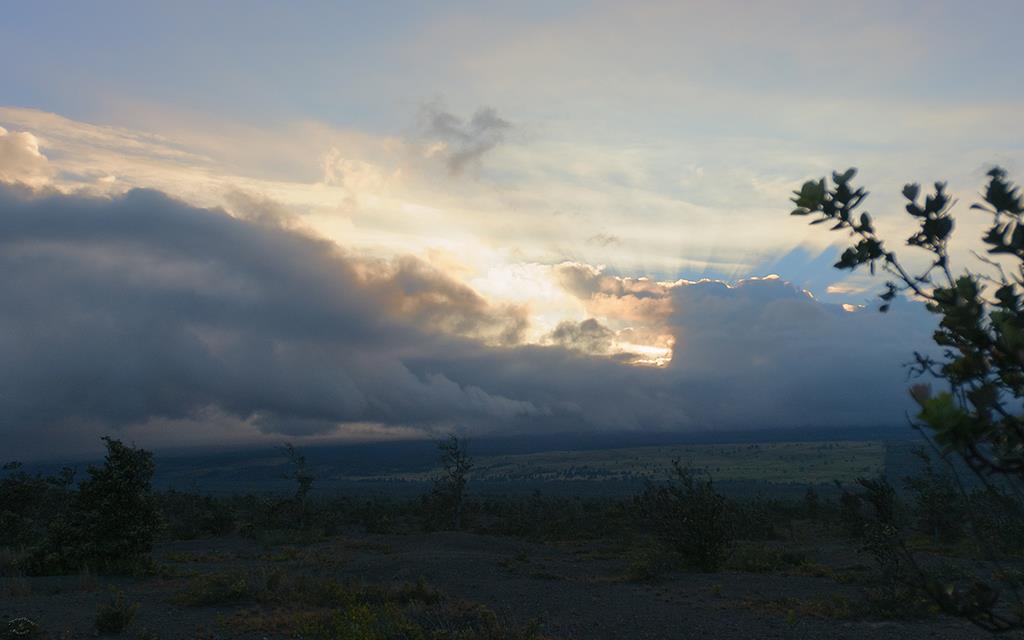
[(125, 309), (460, 142), (640, 307), (141, 310), (422, 295), (21, 160), (769, 349)]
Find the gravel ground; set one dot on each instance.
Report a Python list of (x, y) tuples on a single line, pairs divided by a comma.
[(576, 591)]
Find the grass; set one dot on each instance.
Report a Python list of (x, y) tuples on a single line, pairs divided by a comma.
[(762, 558), (217, 589), (833, 607), (115, 615), (649, 561), (324, 609), (274, 587), (197, 557), (454, 620), (811, 570)]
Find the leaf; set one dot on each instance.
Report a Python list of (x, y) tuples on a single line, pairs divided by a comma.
[(865, 223), (811, 194), (915, 210), (942, 414), (846, 176), (911, 191)]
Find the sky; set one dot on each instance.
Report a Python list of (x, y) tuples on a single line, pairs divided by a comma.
[(242, 221)]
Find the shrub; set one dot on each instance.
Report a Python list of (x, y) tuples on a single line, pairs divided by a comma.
[(648, 563), (29, 502), (690, 517), (753, 519), (115, 615), (217, 589), (187, 516), (977, 416), (446, 501), (111, 520), (303, 476), (997, 519), (939, 506)]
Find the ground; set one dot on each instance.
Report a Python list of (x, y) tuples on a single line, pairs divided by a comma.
[(580, 590)]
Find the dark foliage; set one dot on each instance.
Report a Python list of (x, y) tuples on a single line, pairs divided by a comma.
[(996, 517), (445, 504), (690, 517), (303, 477), (977, 417), (114, 616), (939, 507), (812, 503), (28, 503), (111, 520), (187, 516)]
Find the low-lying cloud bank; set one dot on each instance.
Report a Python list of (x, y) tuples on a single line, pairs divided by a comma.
[(140, 309)]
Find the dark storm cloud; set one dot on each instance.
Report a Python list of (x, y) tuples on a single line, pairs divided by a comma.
[(120, 310), (465, 142), (767, 353), (760, 354), (140, 308)]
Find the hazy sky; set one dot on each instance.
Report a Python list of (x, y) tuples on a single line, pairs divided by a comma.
[(373, 218)]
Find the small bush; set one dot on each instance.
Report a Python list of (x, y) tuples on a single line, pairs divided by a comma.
[(189, 515), (997, 517), (690, 517), (939, 505), (648, 563), (216, 589), (111, 520), (29, 502), (116, 615), (444, 506)]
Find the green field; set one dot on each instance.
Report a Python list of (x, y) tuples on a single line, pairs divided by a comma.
[(783, 463)]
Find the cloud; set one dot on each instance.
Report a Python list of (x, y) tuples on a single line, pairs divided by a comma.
[(463, 143), (604, 240), (21, 160), (588, 336), (125, 309), (424, 296), (632, 299), (763, 349), (138, 310)]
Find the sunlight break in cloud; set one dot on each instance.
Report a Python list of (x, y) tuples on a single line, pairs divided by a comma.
[(151, 311)]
